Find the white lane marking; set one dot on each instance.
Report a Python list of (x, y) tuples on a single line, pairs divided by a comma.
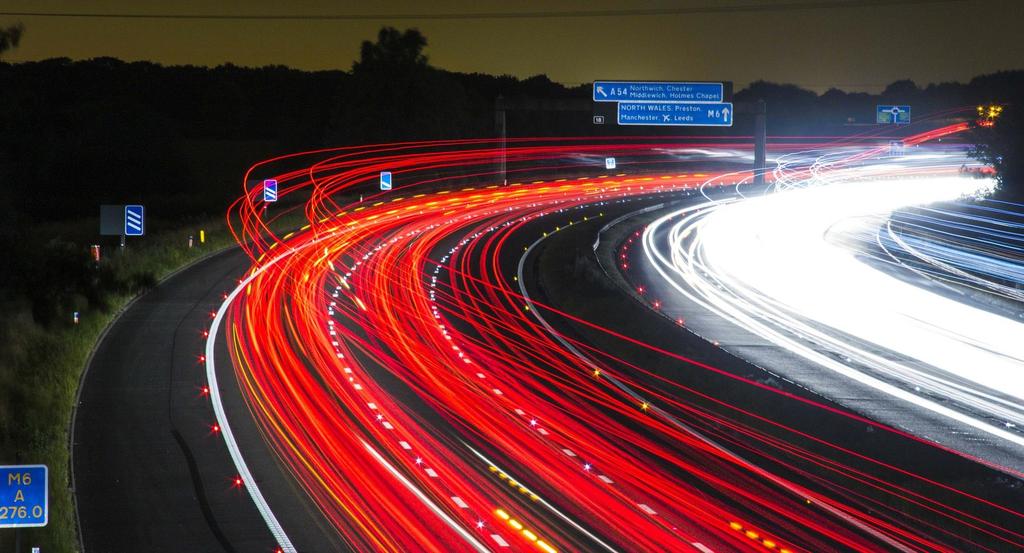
[(646, 509), (701, 547), (552, 508), (568, 452), (431, 473), (499, 540), (472, 541), (405, 445), (458, 501), (225, 428), (605, 479)]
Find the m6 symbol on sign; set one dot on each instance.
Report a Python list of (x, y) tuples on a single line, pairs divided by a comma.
[(24, 496)]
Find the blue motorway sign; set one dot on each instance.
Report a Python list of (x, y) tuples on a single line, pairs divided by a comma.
[(885, 115), (134, 220), (24, 496), (270, 190), (385, 180), (634, 91), (718, 114)]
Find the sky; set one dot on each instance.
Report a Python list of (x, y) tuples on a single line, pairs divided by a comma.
[(858, 48)]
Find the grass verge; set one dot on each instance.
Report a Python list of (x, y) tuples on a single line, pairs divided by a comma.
[(40, 366)]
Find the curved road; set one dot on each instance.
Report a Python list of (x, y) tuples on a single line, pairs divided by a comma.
[(150, 472), (387, 357)]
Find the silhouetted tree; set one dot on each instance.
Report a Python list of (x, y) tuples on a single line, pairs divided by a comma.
[(1002, 147), (394, 94), (902, 90), (393, 50), (10, 37), (790, 108)]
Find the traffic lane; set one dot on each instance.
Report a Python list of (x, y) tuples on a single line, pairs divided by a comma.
[(633, 318), (302, 521), (455, 435), (697, 459), (147, 472), (704, 468), (510, 254), (151, 468)]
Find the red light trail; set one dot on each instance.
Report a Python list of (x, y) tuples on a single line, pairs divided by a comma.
[(394, 366)]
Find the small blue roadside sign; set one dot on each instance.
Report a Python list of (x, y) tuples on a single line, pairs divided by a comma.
[(385, 180), (635, 91), (24, 496), (887, 115), (676, 114), (270, 190), (609, 163), (134, 220)]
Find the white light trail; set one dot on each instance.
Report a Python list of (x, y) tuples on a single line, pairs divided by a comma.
[(780, 266)]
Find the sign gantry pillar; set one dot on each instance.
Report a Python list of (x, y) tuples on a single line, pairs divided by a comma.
[(501, 130), (760, 141)]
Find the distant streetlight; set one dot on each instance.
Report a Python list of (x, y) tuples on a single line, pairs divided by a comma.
[(987, 114)]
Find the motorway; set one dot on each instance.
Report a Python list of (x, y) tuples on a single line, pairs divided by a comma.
[(424, 371)]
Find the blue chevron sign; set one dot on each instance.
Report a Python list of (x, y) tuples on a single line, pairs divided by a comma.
[(134, 220), (270, 190)]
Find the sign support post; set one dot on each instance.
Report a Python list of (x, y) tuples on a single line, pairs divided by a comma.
[(760, 141), (499, 122), (17, 531), (24, 497)]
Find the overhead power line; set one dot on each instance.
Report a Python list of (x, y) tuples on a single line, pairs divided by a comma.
[(552, 14)]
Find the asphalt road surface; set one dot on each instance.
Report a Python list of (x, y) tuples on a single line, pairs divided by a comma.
[(150, 472)]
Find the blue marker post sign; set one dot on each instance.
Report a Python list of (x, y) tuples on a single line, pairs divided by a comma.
[(676, 114), (24, 496), (270, 190), (887, 115), (134, 220), (635, 91), (385, 180)]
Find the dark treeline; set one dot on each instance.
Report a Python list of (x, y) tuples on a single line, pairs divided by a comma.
[(79, 133), (76, 134)]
